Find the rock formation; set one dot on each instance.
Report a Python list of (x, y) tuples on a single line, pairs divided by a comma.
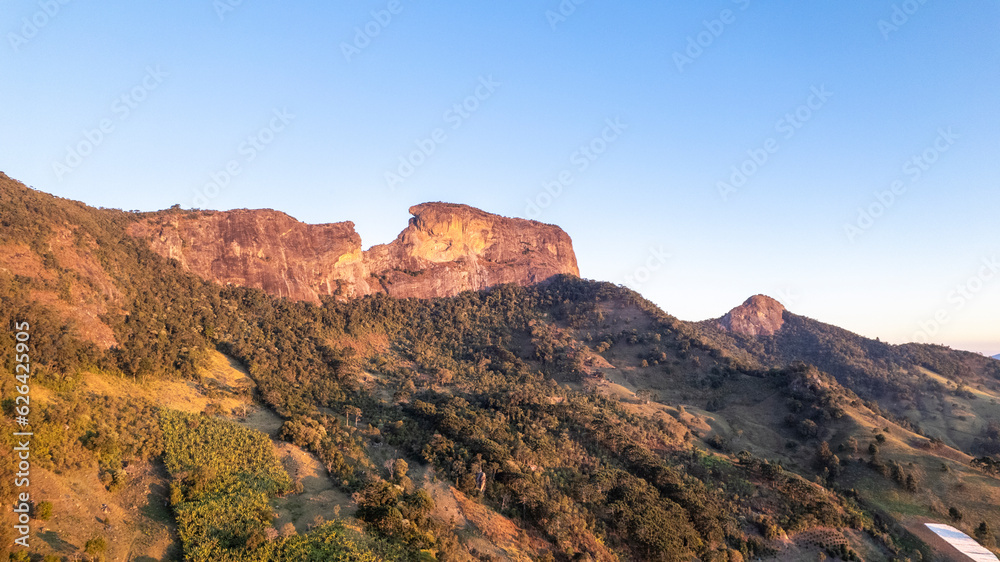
[(760, 315), (446, 249)]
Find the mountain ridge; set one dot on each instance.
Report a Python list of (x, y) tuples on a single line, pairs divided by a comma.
[(444, 250), (593, 418)]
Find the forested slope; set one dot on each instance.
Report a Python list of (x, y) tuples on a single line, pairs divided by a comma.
[(603, 427)]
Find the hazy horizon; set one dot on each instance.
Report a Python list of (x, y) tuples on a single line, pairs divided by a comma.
[(839, 158)]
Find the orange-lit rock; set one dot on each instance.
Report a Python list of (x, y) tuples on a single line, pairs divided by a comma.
[(445, 249)]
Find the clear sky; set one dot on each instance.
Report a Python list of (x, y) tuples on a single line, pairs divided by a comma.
[(707, 151)]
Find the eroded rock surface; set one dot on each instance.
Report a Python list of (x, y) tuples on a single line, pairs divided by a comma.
[(759, 315), (445, 249)]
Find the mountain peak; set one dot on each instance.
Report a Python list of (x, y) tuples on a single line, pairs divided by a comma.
[(758, 316)]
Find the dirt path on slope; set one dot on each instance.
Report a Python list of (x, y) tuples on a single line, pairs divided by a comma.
[(320, 497)]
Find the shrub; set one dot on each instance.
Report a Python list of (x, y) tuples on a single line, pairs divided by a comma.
[(96, 546), (955, 514), (43, 511)]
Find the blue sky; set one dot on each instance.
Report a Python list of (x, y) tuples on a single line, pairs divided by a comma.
[(647, 111)]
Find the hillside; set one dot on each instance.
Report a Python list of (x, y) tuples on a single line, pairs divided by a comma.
[(536, 418), (931, 389)]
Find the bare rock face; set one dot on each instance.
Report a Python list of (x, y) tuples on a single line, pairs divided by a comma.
[(446, 249), (760, 315), (263, 249)]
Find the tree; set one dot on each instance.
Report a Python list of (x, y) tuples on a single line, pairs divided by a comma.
[(399, 468), (418, 505), (445, 376), (96, 546), (43, 510), (808, 429), (955, 514), (352, 411), (984, 534), (823, 454)]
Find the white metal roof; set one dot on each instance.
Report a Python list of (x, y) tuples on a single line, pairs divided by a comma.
[(962, 542)]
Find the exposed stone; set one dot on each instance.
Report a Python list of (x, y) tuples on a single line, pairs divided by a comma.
[(760, 315), (446, 249)]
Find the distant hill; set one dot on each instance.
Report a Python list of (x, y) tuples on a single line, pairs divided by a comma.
[(996, 357), (874, 369)]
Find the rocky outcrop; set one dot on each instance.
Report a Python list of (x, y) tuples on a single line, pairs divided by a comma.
[(446, 249), (265, 249), (760, 315)]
